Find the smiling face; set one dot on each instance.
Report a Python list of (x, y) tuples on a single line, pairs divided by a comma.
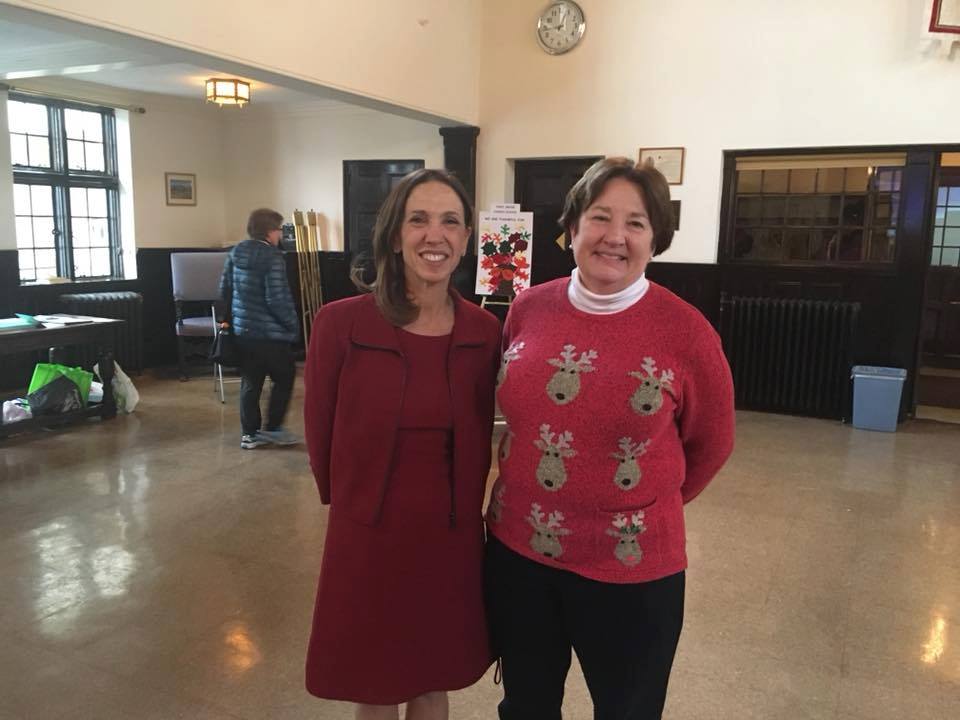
[(433, 235), (612, 240)]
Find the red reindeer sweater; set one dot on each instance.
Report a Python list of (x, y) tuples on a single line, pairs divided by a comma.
[(613, 423)]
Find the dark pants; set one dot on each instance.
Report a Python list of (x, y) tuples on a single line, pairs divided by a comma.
[(259, 358), (625, 637)]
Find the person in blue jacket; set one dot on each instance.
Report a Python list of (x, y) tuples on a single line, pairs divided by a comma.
[(265, 324)]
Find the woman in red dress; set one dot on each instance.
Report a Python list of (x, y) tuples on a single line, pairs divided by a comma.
[(398, 412)]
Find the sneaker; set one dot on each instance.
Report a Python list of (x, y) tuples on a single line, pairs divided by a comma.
[(249, 442), (280, 436)]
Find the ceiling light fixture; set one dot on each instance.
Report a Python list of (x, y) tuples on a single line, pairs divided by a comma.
[(228, 91)]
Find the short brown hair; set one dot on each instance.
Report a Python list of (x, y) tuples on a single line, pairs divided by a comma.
[(263, 221), (390, 285), (650, 183)]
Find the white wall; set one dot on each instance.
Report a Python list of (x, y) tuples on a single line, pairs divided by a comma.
[(8, 228), (178, 137), (294, 160), (419, 54), (709, 76)]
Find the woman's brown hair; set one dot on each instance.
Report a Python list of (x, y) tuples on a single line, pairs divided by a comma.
[(389, 287), (650, 183), (262, 222)]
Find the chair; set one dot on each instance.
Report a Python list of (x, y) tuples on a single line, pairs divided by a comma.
[(196, 284)]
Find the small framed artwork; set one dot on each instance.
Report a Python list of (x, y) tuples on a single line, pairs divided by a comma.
[(181, 188), (945, 16), (675, 204), (669, 161)]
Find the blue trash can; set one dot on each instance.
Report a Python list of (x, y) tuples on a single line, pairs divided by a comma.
[(876, 397)]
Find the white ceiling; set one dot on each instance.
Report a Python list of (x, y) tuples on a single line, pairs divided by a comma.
[(28, 51)]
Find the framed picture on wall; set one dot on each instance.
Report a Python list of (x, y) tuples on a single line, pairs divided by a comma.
[(181, 188), (945, 16), (668, 160)]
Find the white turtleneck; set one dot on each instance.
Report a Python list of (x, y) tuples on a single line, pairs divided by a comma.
[(591, 302)]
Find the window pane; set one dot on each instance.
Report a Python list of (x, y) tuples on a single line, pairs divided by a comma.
[(823, 244), (951, 237), (885, 209), (749, 210), (24, 233), (75, 159), (954, 200), (851, 246), (100, 263), (749, 181), (801, 210), (886, 179), (98, 233), (81, 262), (21, 199), (775, 181), (951, 257), (854, 207), (43, 232), (798, 244), (942, 195), (830, 180), (803, 181), (758, 244), (94, 155), (857, 179), (39, 150), (940, 215), (42, 196), (80, 232), (47, 260), (953, 216), (827, 210), (78, 202), (938, 236), (882, 243), (25, 260), (774, 210), (83, 125), (97, 198), (18, 150), (27, 117)]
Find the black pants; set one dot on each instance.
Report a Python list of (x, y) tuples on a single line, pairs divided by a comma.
[(259, 358), (625, 637)]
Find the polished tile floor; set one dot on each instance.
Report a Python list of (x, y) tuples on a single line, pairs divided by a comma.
[(152, 569)]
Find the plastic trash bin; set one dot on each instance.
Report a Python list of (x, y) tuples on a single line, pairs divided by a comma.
[(876, 397)]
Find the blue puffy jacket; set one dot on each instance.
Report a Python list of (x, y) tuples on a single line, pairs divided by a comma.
[(254, 283)]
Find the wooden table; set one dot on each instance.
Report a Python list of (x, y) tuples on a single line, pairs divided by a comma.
[(96, 331)]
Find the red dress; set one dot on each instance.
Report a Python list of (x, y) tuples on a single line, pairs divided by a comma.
[(399, 607)]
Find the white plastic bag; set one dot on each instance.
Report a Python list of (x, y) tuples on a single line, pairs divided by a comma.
[(124, 392), (16, 410), (96, 392)]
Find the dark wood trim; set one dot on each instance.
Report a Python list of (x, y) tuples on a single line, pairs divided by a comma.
[(460, 156)]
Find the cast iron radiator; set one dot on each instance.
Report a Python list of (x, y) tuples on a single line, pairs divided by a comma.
[(788, 355), (128, 340)]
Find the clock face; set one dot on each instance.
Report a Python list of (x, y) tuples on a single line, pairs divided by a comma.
[(560, 27)]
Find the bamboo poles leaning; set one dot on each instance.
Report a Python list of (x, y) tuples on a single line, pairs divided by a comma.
[(308, 263)]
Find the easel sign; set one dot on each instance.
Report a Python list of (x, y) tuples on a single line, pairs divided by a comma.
[(505, 251)]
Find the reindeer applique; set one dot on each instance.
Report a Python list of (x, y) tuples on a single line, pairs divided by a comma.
[(509, 355), (564, 386), (495, 508), (546, 535), (551, 472), (648, 398), (506, 442), (626, 530), (628, 472)]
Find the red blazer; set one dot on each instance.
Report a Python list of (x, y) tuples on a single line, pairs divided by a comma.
[(354, 383)]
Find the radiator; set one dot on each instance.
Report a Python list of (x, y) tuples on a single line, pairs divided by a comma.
[(791, 356), (128, 340)]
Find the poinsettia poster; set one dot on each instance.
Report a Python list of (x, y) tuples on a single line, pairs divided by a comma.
[(506, 247)]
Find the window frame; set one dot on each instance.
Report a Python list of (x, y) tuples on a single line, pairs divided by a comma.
[(728, 212), (61, 178)]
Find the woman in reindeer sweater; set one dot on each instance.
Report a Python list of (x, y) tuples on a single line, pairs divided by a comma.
[(619, 406)]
